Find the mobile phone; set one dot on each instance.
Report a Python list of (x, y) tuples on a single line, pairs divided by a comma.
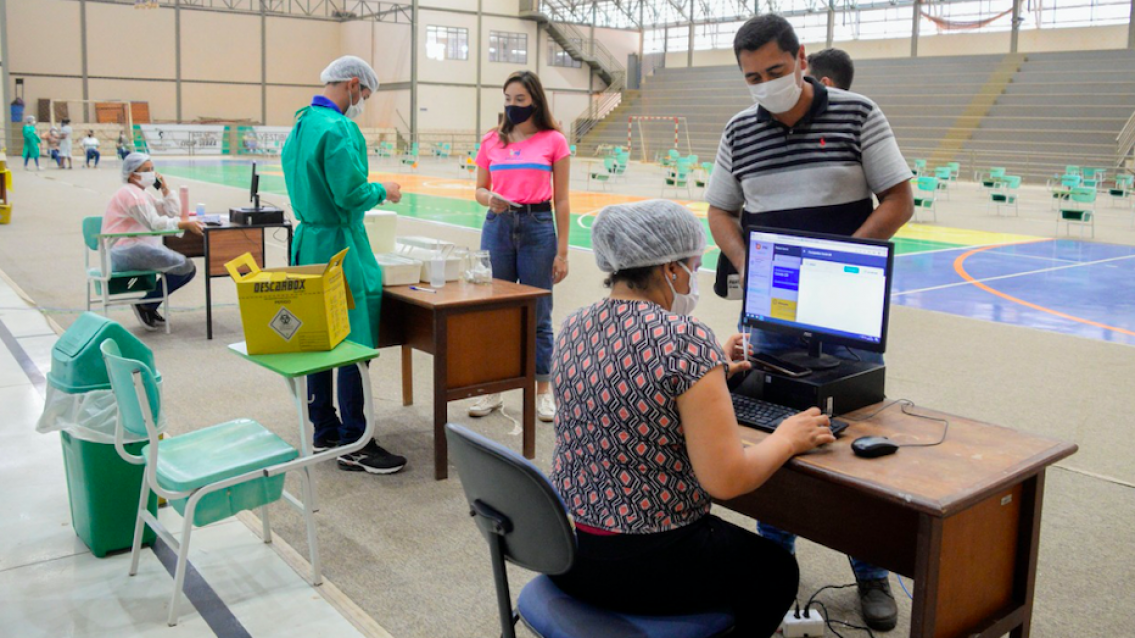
[(157, 183), (780, 366), (493, 196)]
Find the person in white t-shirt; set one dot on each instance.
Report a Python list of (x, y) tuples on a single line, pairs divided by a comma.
[(65, 144), (90, 145)]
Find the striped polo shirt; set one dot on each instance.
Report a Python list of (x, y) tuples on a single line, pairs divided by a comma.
[(818, 175)]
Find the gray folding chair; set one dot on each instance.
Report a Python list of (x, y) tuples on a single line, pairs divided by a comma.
[(525, 523)]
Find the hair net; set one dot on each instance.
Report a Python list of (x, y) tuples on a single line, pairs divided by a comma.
[(348, 67), (131, 164), (30, 119), (647, 233)]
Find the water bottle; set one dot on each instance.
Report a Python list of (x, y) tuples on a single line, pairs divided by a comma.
[(184, 193), (200, 210), (437, 270)]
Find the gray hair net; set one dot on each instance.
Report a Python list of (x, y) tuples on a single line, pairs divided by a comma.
[(649, 233), (131, 164), (348, 67), (30, 119)]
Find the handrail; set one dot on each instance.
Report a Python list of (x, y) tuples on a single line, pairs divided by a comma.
[(1126, 141)]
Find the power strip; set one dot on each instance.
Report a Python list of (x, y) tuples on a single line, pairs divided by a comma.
[(810, 627)]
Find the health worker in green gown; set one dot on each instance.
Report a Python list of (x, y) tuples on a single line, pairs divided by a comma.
[(326, 170), (31, 142)]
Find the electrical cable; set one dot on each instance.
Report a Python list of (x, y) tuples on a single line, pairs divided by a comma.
[(906, 406), (829, 621), (905, 590)]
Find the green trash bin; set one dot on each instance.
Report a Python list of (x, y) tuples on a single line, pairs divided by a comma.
[(103, 488)]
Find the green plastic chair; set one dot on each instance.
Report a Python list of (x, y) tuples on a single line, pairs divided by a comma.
[(671, 157), (124, 288), (441, 150), (1079, 211), (1005, 194), (571, 150), (919, 167), (603, 177), (992, 179), (622, 161), (706, 172), (955, 170), (410, 157), (678, 178), (929, 185), (1072, 170), (943, 175), (207, 475)]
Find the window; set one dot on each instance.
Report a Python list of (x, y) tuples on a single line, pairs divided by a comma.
[(508, 47), (447, 43), (558, 57)]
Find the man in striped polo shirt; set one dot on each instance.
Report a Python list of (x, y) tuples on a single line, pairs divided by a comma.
[(806, 157)]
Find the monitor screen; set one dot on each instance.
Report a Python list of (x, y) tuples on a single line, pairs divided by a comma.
[(826, 287), (254, 189)]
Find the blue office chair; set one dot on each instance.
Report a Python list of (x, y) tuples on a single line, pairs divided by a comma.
[(525, 523)]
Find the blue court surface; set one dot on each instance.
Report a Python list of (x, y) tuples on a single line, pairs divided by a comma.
[(1073, 287)]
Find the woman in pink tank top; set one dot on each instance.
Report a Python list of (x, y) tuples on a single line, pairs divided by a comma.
[(522, 177)]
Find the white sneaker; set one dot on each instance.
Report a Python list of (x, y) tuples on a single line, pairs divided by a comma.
[(485, 405), (546, 407)]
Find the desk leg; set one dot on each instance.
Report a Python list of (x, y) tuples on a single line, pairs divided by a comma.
[(208, 290), (927, 570), (298, 386), (1031, 500), (407, 375), (441, 391), (529, 417)]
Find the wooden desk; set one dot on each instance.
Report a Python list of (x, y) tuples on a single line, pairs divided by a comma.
[(962, 519), (483, 339), (221, 244)]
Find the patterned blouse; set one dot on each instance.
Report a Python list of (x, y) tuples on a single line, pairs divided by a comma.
[(620, 461)]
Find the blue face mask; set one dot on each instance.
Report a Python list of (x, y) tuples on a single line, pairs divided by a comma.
[(519, 114)]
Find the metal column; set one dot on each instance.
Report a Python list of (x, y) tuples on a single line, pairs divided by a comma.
[(83, 56), (690, 39), (263, 65), (414, 72), (831, 23), (5, 64), (177, 52), (481, 54), (1130, 28), (914, 28), (1013, 39)]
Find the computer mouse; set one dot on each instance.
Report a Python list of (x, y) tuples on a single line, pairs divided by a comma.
[(870, 447)]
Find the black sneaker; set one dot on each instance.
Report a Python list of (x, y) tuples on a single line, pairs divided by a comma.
[(146, 318), (373, 459), (158, 319), (877, 604), (322, 444)]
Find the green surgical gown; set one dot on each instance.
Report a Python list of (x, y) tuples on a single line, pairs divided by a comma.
[(326, 170), (31, 141)]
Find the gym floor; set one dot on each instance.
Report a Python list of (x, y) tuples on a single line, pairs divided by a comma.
[(1063, 285)]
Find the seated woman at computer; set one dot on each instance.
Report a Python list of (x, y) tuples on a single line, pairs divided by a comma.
[(646, 436), (134, 209)]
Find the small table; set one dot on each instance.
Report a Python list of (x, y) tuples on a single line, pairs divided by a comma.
[(483, 338), (294, 368), (961, 518), (221, 244)]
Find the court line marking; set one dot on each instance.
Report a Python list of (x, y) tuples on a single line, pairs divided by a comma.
[(973, 280), (959, 267)]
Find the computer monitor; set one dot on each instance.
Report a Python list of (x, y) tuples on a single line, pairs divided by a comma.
[(254, 193), (826, 288)]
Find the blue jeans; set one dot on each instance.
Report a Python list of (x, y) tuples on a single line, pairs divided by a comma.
[(522, 247), (92, 154), (174, 281), (321, 410), (774, 343)]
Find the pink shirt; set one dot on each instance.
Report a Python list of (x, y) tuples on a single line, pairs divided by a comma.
[(522, 171), (134, 210)]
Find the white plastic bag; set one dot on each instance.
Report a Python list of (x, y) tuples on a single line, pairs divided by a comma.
[(88, 416)]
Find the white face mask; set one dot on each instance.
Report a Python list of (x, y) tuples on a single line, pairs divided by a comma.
[(779, 95), (355, 111), (147, 180), (685, 304)]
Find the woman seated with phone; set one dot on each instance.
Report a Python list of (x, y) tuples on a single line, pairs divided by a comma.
[(134, 209), (646, 437)]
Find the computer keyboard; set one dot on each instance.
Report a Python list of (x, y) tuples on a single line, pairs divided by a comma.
[(765, 416)]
